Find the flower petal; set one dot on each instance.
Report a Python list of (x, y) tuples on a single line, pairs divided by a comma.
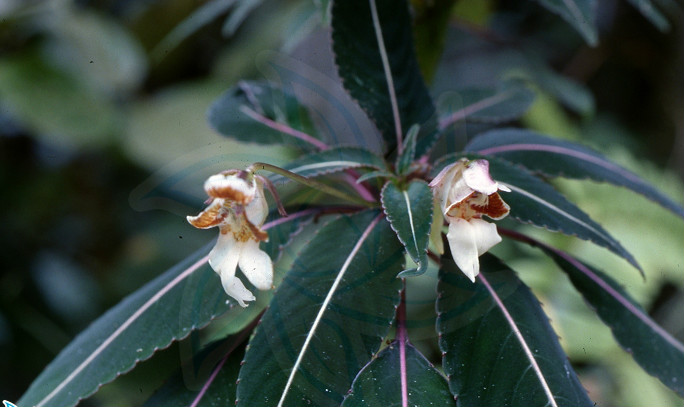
[(468, 240), (213, 215), (230, 186), (234, 287), (477, 177), (463, 247), (485, 234), (256, 265), (223, 258), (257, 210)]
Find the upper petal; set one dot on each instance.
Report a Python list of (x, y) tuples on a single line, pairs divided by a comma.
[(477, 177), (256, 265), (257, 209), (231, 186)]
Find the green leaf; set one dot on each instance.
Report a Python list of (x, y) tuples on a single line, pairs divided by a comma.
[(405, 159), (578, 13), (557, 158), (211, 370), (380, 382), (409, 211), (186, 297), (498, 347), (534, 201), (327, 318), (653, 348), (508, 102), (261, 113), (373, 46), (333, 160), (652, 14)]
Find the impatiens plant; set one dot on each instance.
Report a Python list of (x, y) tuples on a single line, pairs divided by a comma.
[(305, 302)]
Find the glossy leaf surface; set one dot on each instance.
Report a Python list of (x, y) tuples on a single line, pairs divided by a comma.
[(409, 211), (559, 158), (382, 381), (498, 347), (373, 46), (327, 318)]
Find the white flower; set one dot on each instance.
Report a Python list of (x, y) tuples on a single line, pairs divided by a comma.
[(465, 191), (238, 207)]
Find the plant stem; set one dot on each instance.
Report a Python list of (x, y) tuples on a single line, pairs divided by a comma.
[(310, 183)]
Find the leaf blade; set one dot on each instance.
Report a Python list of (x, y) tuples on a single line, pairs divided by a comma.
[(536, 202), (261, 113), (407, 209), (387, 84), (653, 348), (580, 14), (558, 158), (186, 297), (498, 346), (337, 307), (378, 383)]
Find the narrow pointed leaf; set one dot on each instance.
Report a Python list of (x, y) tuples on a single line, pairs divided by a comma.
[(580, 14), (380, 382), (409, 211), (334, 160), (507, 103), (186, 297), (652, 14), (498, 347), (405, 159), (653, 348), (558, 158), (534, 201), (378, 67), (261, 113), (327, 318)]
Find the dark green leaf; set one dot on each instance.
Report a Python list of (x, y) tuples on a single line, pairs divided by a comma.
[(260, 113), (507, 103), (572, 94), (534, 201), (559, 158), (653, 348), (186, 297), (648, 10), (327, 318), (380, 382), (333, 160), (392, 92), (578, 13), (498, 347), (410, 214), (211, 371), (405, 159)]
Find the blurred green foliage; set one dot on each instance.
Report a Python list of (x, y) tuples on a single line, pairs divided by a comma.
[(103, 102)]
